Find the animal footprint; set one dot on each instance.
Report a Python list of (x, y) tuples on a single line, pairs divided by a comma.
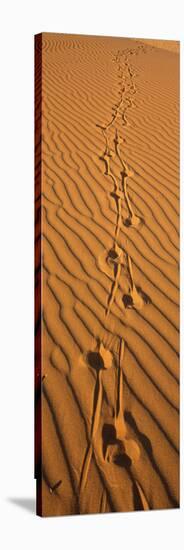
[(145, 297), (134, 221), (136, 298), (99, 360), (115, 255), (117, 194), (119, 449), (109, 260), (133, 300), (123, 453)]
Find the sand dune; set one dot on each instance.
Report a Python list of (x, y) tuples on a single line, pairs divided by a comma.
[(107, 112)]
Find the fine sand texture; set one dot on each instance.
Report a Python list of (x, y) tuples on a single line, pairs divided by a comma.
[(107, 243)]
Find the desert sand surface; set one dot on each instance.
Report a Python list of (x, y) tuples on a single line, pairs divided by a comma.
[(109, 151), (170, 45)]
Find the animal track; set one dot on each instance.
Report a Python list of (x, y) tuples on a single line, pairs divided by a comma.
[(119, 449), (115, 258), (115, 255), (132, 220), (119, 416), (136, 297), (108, 261), (99, 360), (120, 193)]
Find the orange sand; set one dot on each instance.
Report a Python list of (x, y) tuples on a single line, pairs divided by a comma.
[(110, 245)]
